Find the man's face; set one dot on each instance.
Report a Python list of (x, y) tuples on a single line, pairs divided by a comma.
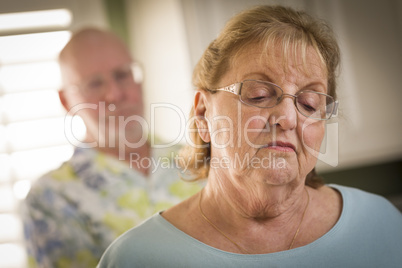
[(98, 77)]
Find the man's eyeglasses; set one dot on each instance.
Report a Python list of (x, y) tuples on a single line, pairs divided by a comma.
[(264, 94), (125, 77)]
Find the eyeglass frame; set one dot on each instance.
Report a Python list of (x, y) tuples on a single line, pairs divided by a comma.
[(235, 88)]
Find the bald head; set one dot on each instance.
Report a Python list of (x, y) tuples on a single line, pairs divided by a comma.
[(99, 65), (91, 51)]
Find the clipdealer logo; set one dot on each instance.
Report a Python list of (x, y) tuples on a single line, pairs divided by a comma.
[(234, 131)]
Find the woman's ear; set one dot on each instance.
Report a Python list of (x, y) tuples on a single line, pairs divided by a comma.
[(200, 110)]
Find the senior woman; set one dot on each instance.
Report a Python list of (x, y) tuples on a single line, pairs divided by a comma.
[(265, 88)]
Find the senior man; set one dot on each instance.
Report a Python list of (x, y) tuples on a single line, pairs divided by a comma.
[(111, 182)]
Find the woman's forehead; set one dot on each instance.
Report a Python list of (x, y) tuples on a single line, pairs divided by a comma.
[(282, 59)]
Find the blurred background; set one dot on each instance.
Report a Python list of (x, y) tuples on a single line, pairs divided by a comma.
[(167, 37)]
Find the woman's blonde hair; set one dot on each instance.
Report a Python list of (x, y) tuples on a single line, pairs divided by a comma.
[(293, 32)]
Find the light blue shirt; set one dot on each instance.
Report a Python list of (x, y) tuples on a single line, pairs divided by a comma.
[(367, 234)]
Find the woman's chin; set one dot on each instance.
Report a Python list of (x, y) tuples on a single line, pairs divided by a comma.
[(279, 177)]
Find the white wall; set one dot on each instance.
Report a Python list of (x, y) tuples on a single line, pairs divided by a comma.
[(159, 42), (170, 36)]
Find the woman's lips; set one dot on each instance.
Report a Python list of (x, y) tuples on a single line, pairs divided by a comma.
[(281, 146)]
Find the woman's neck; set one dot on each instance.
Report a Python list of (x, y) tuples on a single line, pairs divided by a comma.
[(271, 222), (256, 200)]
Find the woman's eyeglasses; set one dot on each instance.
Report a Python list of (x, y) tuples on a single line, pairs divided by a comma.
[(264, 94)]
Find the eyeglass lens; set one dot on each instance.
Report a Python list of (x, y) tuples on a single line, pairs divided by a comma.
[(265, 95)]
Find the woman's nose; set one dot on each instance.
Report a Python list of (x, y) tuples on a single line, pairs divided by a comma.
[(284, 114)]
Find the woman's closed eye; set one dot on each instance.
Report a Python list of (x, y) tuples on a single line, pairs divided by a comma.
[(260, 95), (309, 102), (307, 107)]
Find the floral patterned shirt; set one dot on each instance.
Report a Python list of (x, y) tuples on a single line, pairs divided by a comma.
[(72, 214)]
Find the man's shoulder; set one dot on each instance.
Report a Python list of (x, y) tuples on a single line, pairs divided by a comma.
[(65, 172), (72, 171), (49, 184)]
